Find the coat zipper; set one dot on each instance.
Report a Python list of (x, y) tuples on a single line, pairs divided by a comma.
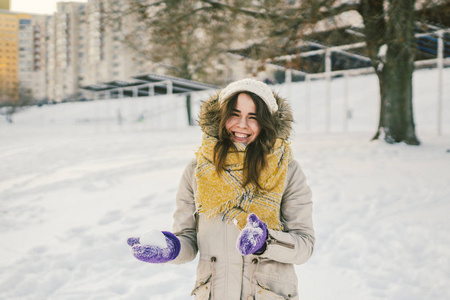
[(272, 241)]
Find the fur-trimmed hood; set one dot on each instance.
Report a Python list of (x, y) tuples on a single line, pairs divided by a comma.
[(209, 117)]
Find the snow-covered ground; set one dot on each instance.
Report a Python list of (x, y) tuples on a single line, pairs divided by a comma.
[(74, 184)]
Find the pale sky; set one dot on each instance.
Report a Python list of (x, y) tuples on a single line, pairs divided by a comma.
[(37, 6)]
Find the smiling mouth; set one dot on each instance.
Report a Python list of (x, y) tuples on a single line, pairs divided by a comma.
[(240, 135)]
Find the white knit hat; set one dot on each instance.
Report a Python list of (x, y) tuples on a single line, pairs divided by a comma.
[(250, 85)]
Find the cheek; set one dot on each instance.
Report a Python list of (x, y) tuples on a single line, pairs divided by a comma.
[(229, 124), (255, 128)]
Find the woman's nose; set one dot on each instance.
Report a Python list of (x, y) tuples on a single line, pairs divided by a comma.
[(243, 123)]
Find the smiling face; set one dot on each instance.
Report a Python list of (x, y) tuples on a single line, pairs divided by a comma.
[(243, 125)]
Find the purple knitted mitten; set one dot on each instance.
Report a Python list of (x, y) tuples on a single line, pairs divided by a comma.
[(154, 254), (253, 237)]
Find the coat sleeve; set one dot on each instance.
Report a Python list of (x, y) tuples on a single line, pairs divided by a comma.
[(184, 226), (295, 243)]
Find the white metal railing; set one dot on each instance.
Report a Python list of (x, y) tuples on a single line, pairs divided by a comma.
[(440, 62)]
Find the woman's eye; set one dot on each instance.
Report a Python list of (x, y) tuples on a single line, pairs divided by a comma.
[(235, 114), (253, 118)]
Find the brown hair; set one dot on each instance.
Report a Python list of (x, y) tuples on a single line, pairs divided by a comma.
[(256, 152)]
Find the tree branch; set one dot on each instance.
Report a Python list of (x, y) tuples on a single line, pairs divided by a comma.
[(305, 16), (192, 12)]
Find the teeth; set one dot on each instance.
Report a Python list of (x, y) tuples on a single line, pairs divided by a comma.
[(240, 135)]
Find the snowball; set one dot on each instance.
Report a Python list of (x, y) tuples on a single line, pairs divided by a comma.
[(155, 238)]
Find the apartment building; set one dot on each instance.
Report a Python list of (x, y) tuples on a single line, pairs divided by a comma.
[(9, 56), (4, 4), (26, 54), (107, 57), (65, 51), (50, 57), (39, 79), (84, 48), (22, 56)]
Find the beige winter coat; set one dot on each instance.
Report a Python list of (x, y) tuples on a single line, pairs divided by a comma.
[(223, 273)]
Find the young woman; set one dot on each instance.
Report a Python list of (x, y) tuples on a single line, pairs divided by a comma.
[(243, 203)]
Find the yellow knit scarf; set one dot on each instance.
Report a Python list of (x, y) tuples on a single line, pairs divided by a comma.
[(225, 195)]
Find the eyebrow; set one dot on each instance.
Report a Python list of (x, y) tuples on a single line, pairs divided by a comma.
[(237, 110)]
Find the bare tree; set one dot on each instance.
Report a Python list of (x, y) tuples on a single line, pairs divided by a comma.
[(391, 47), (186, 38)]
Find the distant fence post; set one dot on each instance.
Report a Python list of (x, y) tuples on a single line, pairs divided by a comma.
[(440, 63), (308, 103), (188, 109), (328, 89), (346, 112)]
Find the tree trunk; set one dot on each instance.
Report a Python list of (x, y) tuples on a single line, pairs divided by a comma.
[(396, 121)]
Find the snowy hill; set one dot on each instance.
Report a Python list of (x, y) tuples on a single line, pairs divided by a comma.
[(76, 180)]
